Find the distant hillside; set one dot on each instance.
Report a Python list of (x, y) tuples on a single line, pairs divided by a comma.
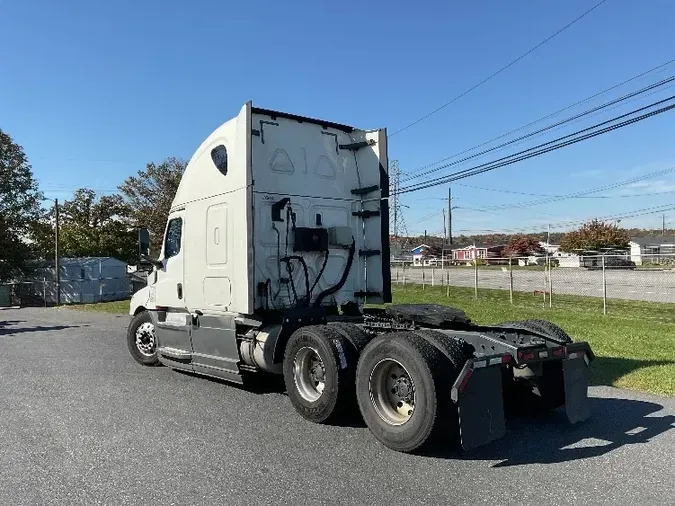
[(405, 244)]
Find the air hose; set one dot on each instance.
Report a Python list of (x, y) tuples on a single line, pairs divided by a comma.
[(343, 279)]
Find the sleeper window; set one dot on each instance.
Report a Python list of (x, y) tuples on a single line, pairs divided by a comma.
[(219, 157)]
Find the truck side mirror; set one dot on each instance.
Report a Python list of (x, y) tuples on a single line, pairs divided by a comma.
[(143, 242)]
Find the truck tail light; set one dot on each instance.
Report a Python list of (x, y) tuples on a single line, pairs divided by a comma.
[(558, 352), (465, 380), (524, 356)]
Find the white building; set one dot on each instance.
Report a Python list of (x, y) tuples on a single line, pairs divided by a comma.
[(652, 249), (551, 249), (562, 258), (84, 280), (421, 258)]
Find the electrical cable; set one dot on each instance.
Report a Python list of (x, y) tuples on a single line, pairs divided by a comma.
[(541, 148), (278, 263), (318, 276), (571, 196), (494, 74), (343, 279), (630, 214), (555, 113), (300, 259), (584, 193), (663, 82)]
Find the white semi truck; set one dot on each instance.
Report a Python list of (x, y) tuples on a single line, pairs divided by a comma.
[(275, 260)]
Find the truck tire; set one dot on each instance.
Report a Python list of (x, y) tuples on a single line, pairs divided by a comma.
[(550, 329), (319, 368), (356, 336), (457, 350), (403, 387), (141, 339), (543, 327)]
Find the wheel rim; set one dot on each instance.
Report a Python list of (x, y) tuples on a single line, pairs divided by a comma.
[(309, 374), (392, 392), (145, 339)]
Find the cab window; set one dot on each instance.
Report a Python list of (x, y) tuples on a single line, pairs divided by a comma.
[(173, 238)]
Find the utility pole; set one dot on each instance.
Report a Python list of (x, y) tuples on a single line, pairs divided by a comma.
[(394, 202), (445, 229), (57, 267), (450, 214), (663, 226), (395, 199), (548, 235)]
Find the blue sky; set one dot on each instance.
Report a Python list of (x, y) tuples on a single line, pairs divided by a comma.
[(94, 90)]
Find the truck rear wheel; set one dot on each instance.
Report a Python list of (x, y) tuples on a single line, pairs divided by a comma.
[(403, 390), (358, 337), (319, 368), (542, 326), (550, 329)]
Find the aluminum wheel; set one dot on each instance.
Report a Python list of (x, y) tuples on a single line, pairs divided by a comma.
[(392, 392), (309, 374), (145, 339)]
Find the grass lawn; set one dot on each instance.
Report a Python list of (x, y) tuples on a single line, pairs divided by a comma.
[(634, 343), (116, 307)]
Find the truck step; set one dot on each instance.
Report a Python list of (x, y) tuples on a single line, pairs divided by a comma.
[(355, 146), (175, 354), (366, 213), (365, 190), (246, 367), (369, 252)]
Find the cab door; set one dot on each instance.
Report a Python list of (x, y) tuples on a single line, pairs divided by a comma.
[(173, 320), (170, 292)]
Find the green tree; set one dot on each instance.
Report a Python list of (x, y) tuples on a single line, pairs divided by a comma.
[(89, 226), (523, 245), (20, 200), (148, 197), (595, 235)]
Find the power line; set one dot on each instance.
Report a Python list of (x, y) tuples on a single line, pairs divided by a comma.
[(630, 214), (427, 216), (543, 148), (479, 169), (522, 127), (500, 70), (585, 193), (654, 86), (560, 197)]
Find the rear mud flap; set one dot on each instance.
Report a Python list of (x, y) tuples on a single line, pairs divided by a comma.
[(477, 392), (575, 374)]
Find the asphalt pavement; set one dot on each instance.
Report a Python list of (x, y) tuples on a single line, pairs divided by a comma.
[(83, 424)]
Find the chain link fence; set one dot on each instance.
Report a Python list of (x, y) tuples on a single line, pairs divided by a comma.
[(73, 291), (601, 283)]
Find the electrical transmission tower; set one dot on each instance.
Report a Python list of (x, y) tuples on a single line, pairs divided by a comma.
[(397, 223)]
